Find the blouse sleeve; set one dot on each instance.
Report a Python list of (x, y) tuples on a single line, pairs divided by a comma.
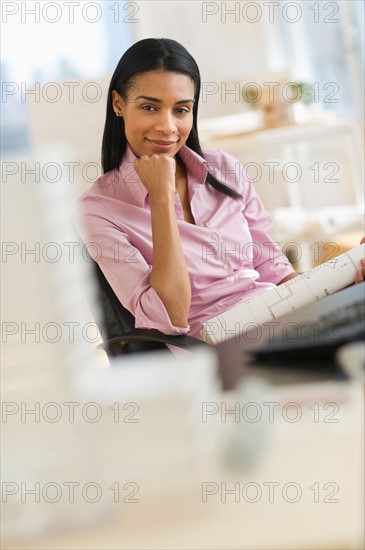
[(123, 265), (270, 262)]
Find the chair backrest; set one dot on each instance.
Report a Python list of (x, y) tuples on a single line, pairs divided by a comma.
[(116, 320)]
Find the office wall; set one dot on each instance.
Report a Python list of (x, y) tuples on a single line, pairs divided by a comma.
[(229, 47), (228, 50)]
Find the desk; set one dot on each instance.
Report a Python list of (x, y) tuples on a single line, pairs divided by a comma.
[(326, 464), (315, 469)]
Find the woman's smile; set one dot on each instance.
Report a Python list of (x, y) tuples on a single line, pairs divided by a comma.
[(162, 144)]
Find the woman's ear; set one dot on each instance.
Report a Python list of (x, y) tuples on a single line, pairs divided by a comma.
[(118, 103)]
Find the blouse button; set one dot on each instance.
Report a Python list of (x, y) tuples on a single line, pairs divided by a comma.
[(232, 278), (214, 236)]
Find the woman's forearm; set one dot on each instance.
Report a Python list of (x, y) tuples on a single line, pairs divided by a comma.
[(169, 276)]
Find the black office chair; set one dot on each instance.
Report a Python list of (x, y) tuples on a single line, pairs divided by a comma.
[(117, 325)]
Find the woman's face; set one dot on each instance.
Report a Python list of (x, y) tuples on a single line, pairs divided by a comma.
[(158, 112)]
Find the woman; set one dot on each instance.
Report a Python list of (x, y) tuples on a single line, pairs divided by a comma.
[(180, 235)]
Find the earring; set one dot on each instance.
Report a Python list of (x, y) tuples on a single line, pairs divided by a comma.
[(118, 114)]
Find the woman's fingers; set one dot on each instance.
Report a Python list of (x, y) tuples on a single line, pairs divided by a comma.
[(360, 273), (358, 276)]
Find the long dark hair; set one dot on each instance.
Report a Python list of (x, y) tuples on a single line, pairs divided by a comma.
[(148, 55)]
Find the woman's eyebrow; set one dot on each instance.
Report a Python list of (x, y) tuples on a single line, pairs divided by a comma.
[(156, 100)]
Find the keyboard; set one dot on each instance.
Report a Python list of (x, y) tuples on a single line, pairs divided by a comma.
[(317, 339)]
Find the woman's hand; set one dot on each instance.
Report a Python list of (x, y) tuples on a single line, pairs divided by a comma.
[(157, 173), (360, 273)]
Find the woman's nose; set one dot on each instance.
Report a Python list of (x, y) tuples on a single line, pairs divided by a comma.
[(166, 123)]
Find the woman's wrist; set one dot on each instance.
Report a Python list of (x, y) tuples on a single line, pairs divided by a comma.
[(162, 199)]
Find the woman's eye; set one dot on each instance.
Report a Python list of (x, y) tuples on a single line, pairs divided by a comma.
[(147, 107), (179, 110)]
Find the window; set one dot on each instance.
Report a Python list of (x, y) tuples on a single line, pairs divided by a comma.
[(58, 44), (325, 48)]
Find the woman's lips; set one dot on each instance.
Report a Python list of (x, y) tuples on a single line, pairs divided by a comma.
[(162, 144)]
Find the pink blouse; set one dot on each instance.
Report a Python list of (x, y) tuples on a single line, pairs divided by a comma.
[(229, 251)]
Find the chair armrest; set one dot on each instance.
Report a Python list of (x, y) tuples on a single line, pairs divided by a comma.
[(151, 335)]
